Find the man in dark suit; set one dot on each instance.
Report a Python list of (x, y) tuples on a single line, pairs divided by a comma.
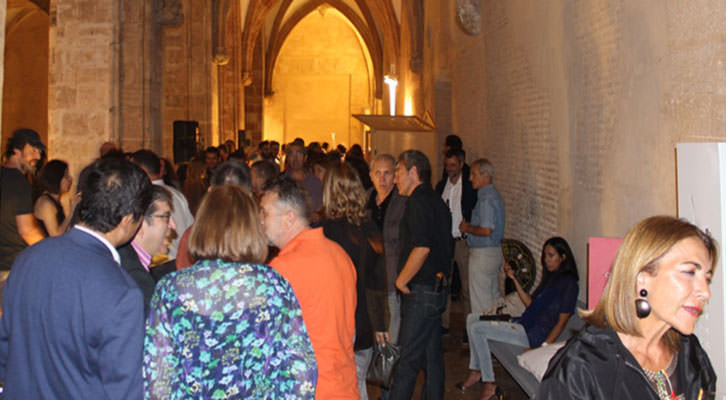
[(151, 239), (72, 324)]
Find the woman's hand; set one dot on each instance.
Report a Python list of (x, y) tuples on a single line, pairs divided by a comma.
[(74, 200), (509, 272), (382, 338)]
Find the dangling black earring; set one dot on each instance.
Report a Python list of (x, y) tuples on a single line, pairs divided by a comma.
[(642, 307)]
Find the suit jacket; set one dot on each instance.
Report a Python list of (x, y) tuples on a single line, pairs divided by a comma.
[(468, 194), (131, 264), (72, 324)]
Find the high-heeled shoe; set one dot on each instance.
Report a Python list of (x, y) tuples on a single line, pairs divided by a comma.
[(473, 378), (498, 395), (460, 386)]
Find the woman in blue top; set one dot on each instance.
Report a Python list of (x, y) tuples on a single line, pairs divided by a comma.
[(546, 315)]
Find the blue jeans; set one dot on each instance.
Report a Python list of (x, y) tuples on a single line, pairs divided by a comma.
[(420, 342), (480, 332), (362, 362)]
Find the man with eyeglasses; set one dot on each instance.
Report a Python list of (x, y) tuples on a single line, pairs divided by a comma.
[(149, 240)]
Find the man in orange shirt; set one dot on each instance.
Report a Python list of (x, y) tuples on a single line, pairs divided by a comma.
[(323, 278)]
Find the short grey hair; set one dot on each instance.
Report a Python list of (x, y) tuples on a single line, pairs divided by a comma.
[(484, 165), (383, 157)]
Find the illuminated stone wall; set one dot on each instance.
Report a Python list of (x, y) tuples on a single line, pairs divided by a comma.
[(320, 79), (25, 90), (579, 105)]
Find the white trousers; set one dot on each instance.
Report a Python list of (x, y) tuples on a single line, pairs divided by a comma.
[(484, 266)]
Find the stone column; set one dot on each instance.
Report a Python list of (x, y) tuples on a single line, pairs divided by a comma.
[(3, 13), (83, 79)]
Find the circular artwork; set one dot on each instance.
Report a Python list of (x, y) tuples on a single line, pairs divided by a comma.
[(469, 16), (519, 257)]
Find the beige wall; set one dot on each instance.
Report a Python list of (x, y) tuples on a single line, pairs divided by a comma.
[(579, 105), (3, 13), (187, 71), (83, 90), (25, 92), (320, 79)]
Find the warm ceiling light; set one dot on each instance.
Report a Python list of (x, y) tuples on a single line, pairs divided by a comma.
[(392, 82)]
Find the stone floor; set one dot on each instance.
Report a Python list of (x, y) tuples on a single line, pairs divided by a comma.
[(456, 359)]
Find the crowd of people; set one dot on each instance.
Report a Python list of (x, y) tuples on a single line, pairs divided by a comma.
[(272, 272)]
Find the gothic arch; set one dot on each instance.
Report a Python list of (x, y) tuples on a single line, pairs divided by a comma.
[(277, 39), (378, 19)]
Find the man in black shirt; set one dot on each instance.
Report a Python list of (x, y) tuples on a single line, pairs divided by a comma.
[(422, 277), (18, 227)]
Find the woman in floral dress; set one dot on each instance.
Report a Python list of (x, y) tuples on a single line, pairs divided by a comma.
[(227, 327)]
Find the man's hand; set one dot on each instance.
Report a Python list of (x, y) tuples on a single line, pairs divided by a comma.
[(402, 286), (463, 227), (382, 338)]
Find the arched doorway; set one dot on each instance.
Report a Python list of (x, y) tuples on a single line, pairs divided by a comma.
[(322, 74), (25, 87)]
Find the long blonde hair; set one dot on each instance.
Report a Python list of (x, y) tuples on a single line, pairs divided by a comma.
[(343, 195)]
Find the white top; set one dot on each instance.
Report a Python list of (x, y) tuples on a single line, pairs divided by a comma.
[(452, 198), (103, 240)]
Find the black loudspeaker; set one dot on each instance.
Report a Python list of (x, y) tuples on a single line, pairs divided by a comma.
[(185, 140)]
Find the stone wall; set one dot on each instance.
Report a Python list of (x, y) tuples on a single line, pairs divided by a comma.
[(186, 82), (25, 89), (231, 92), (82, 107), (320, 78), (3, 13), (579, 105)]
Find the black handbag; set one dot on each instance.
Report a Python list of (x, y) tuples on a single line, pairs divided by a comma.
[(383, 362)]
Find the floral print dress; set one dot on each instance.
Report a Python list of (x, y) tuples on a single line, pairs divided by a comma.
[(223, 330)]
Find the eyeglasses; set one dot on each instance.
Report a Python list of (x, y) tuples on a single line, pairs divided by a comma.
[(166, 216)]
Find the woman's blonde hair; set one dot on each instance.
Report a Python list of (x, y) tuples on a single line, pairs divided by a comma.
[(641, 251), (343, 195), (228, 227)]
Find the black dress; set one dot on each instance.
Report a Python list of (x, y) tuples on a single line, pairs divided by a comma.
[(354, 240), (60, 215)]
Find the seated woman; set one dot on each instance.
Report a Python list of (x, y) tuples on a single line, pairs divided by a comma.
[(227, 326), (54, 180), (547, 312), (640, 342)]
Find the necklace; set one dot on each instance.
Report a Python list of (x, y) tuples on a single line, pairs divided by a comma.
[(660, 380)]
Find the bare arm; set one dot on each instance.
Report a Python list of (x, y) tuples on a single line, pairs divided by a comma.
[(523, 295), (559, 327), (410, 269), (466, 227), (45, 211), (28, 228)]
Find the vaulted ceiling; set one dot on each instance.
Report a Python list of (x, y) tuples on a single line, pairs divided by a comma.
[(273, 20)]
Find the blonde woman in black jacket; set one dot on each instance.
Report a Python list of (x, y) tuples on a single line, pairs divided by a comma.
[(640, 343)]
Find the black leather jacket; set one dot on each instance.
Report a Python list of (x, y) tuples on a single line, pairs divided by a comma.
[(596, 365)]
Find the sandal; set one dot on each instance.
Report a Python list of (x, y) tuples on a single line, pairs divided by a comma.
[(473, 379)]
